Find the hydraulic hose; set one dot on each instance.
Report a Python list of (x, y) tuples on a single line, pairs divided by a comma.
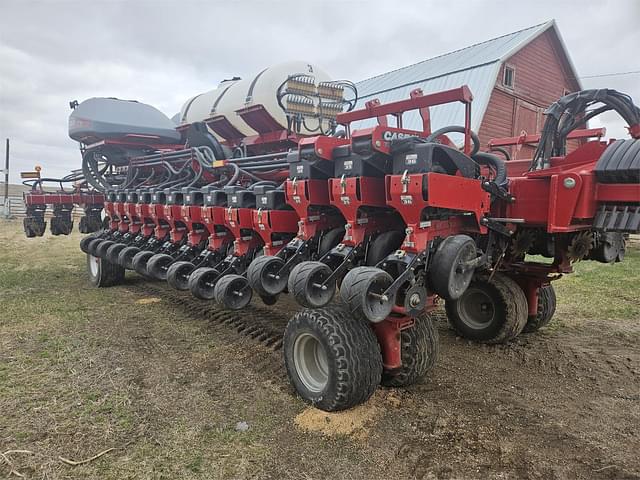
[(493, 161), (456, 129), (570, 112)]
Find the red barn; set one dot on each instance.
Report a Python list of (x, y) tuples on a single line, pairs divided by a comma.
[(513, 79)]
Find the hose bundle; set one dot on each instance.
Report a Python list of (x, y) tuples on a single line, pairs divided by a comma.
[(570, 112)]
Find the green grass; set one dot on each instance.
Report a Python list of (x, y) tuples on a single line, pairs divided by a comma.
[(605, 291), (85, 369)]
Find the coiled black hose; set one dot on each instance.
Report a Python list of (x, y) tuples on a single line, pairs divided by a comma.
[(570, 112), (456, 129), (493, 161)]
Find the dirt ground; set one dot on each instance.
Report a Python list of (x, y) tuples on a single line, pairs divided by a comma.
[(166, 382)]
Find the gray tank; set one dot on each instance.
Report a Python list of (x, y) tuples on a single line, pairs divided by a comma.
[(98, 119)]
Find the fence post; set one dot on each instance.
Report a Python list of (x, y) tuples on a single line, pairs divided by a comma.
[(7, 203)]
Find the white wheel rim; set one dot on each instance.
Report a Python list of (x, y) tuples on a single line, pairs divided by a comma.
[(94, 265), (477, 309), (311, 363)]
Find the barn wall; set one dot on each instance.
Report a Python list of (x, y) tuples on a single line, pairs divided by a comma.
[(542, 75)]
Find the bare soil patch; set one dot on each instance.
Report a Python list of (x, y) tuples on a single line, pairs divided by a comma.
[(164, 380)]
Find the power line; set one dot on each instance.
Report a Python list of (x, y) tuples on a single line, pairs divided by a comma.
[(611, 74)]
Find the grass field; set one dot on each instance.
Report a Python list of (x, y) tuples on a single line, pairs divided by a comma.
[(84, 370)]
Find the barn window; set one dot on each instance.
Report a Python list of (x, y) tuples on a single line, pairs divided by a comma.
[(509, 76)]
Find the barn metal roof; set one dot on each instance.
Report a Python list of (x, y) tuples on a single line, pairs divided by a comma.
[(476, 66)]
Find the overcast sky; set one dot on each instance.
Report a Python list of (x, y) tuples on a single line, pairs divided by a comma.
[(162, 52)]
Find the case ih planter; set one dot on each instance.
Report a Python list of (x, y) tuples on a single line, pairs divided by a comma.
[(367, 228)]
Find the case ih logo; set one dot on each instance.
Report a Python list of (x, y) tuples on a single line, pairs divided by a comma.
[(388, 136)]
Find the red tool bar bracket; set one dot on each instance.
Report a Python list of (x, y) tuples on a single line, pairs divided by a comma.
[(461, 94), (529, 139)]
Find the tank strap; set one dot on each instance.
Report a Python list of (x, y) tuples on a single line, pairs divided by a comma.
[(186, 110), (253, 84), (215, 104)]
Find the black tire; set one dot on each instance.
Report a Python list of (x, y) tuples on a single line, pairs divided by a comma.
[(125, 258), (261, 274), (30, 227), (103, 273), (66, 227), (301, 284), (54, 226), (158, 265), (202, 282), (178, 275), (93, 245), (232, 292), (84, 243), (113, 252), (357, 287), (101, 250), (83, 226), (610, 248), (140, 261), (333, 359), (493, 311), (419, 349), (444, 275), (546, 309), (383, 245)]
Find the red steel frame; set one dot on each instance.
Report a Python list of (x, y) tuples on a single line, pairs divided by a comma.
[(560, 199), (219, 238), (270, 222), (303, 195)]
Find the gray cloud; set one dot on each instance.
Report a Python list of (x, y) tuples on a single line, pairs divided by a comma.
[(162, 52)]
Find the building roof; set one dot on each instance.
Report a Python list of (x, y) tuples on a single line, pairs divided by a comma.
[(476, 66)]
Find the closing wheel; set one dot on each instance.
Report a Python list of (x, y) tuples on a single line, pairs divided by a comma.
[(178, 275), (103, 273), (125, 258), (158, 265), (232, 292), (202, 282), (84, 243), (263, 275), (419, 348), (140, 261), (101, 249), (491, 311), (113, 252), (362, 290), (306, 284), (452, 267), (333, 359), (546, 309)]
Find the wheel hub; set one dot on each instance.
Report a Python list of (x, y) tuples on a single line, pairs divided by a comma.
[(311, 362), (477, 309)]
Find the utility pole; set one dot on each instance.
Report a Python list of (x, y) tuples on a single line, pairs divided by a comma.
[(7, 213)]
